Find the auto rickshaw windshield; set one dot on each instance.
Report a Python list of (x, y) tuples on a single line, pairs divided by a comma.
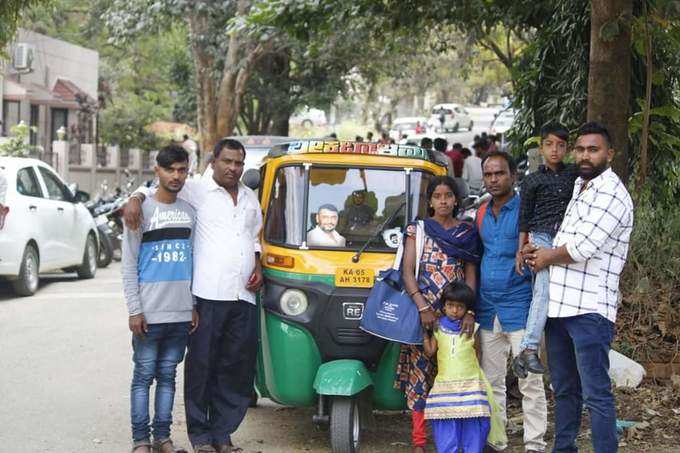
[(345, 206)]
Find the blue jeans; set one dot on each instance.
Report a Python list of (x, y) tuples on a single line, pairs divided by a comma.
[(578, 358), (156, 356), (538, 312)]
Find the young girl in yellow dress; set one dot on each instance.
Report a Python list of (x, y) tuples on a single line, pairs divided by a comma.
[(460, 405)]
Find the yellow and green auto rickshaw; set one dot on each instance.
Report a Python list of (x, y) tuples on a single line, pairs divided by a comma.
[(334, 213)]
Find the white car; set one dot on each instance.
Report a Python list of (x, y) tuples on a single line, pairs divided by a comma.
[(45, 228), (502, 122), (454, 115), (407, 125), (309, 117)]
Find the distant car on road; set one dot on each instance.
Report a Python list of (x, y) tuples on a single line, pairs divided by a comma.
[(46, 227), (455, 116), (502, 122), (407, 125), (309, 117)]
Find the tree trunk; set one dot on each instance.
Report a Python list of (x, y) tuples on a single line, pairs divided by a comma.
[(238, 67), (369, 102), (609, 76), (219, 106), (205, 85), (280, 112), (280, 121)]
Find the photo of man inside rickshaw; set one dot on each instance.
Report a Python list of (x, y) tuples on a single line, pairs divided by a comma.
[(324, 233), (345, 209)]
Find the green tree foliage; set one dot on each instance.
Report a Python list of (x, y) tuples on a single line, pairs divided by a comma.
[(551, 75), (660, 21), (223, 54), (146, 80), (10, 16), (17, 145), (125, 122)]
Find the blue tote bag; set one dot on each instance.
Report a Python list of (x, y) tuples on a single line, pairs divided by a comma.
[(390, 313)]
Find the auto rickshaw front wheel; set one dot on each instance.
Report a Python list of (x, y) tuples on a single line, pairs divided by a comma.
[(345, 424)]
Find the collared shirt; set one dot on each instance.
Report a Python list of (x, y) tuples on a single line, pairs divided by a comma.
[(225, 241), (596, 232), (502, 292), (318, 237), (472, 172), (545, 196)]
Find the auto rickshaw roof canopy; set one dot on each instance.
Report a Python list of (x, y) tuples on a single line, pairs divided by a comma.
[(349, 147)]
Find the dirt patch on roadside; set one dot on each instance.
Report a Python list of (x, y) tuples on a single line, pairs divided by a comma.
[(654, 407)]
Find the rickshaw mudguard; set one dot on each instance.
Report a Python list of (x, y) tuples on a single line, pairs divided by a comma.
[(344, 377), (289, 358)]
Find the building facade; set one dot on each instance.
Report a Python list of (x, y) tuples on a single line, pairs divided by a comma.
[(51, 85)]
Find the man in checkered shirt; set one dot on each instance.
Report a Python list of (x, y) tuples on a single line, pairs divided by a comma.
[(585, 262)]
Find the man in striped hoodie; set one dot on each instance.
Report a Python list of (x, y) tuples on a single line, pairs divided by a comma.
[(157, 270)]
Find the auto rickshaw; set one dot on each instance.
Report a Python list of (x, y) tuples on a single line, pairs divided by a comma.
[(334, 213)]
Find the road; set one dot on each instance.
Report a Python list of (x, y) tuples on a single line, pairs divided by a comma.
[(65, 379), (66, 361), (482, 118)]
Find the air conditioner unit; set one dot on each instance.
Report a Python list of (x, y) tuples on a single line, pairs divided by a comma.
[(23, 57)]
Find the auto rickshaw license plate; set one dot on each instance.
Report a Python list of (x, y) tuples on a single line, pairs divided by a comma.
[(353, 276)]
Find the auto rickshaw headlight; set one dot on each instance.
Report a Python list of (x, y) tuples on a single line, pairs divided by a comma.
[(293, 302)]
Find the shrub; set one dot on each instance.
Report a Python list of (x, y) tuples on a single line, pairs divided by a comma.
[(649, 317)]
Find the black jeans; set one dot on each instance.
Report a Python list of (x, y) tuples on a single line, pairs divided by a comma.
[(220, 370)]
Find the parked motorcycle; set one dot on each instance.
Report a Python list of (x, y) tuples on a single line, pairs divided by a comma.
[(107, 211)]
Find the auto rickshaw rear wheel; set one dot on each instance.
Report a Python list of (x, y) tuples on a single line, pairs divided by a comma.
[(345, 424)]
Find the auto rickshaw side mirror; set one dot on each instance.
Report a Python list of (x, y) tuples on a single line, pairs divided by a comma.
[(251, 178)]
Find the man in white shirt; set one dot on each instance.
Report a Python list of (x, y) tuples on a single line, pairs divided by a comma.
[(220, 363), (586, 261), (192, 148), (472, 169), (324, 233)]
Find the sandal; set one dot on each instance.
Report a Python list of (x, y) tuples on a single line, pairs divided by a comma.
[(230, 448), (142, 447), (204, 449)]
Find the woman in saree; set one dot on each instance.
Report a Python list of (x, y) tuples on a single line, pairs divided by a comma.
[(451, 252)]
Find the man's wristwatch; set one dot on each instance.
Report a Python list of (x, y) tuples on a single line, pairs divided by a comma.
[(470, 312)]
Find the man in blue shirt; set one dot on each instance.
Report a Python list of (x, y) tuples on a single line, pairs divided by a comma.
[(505, 297)]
